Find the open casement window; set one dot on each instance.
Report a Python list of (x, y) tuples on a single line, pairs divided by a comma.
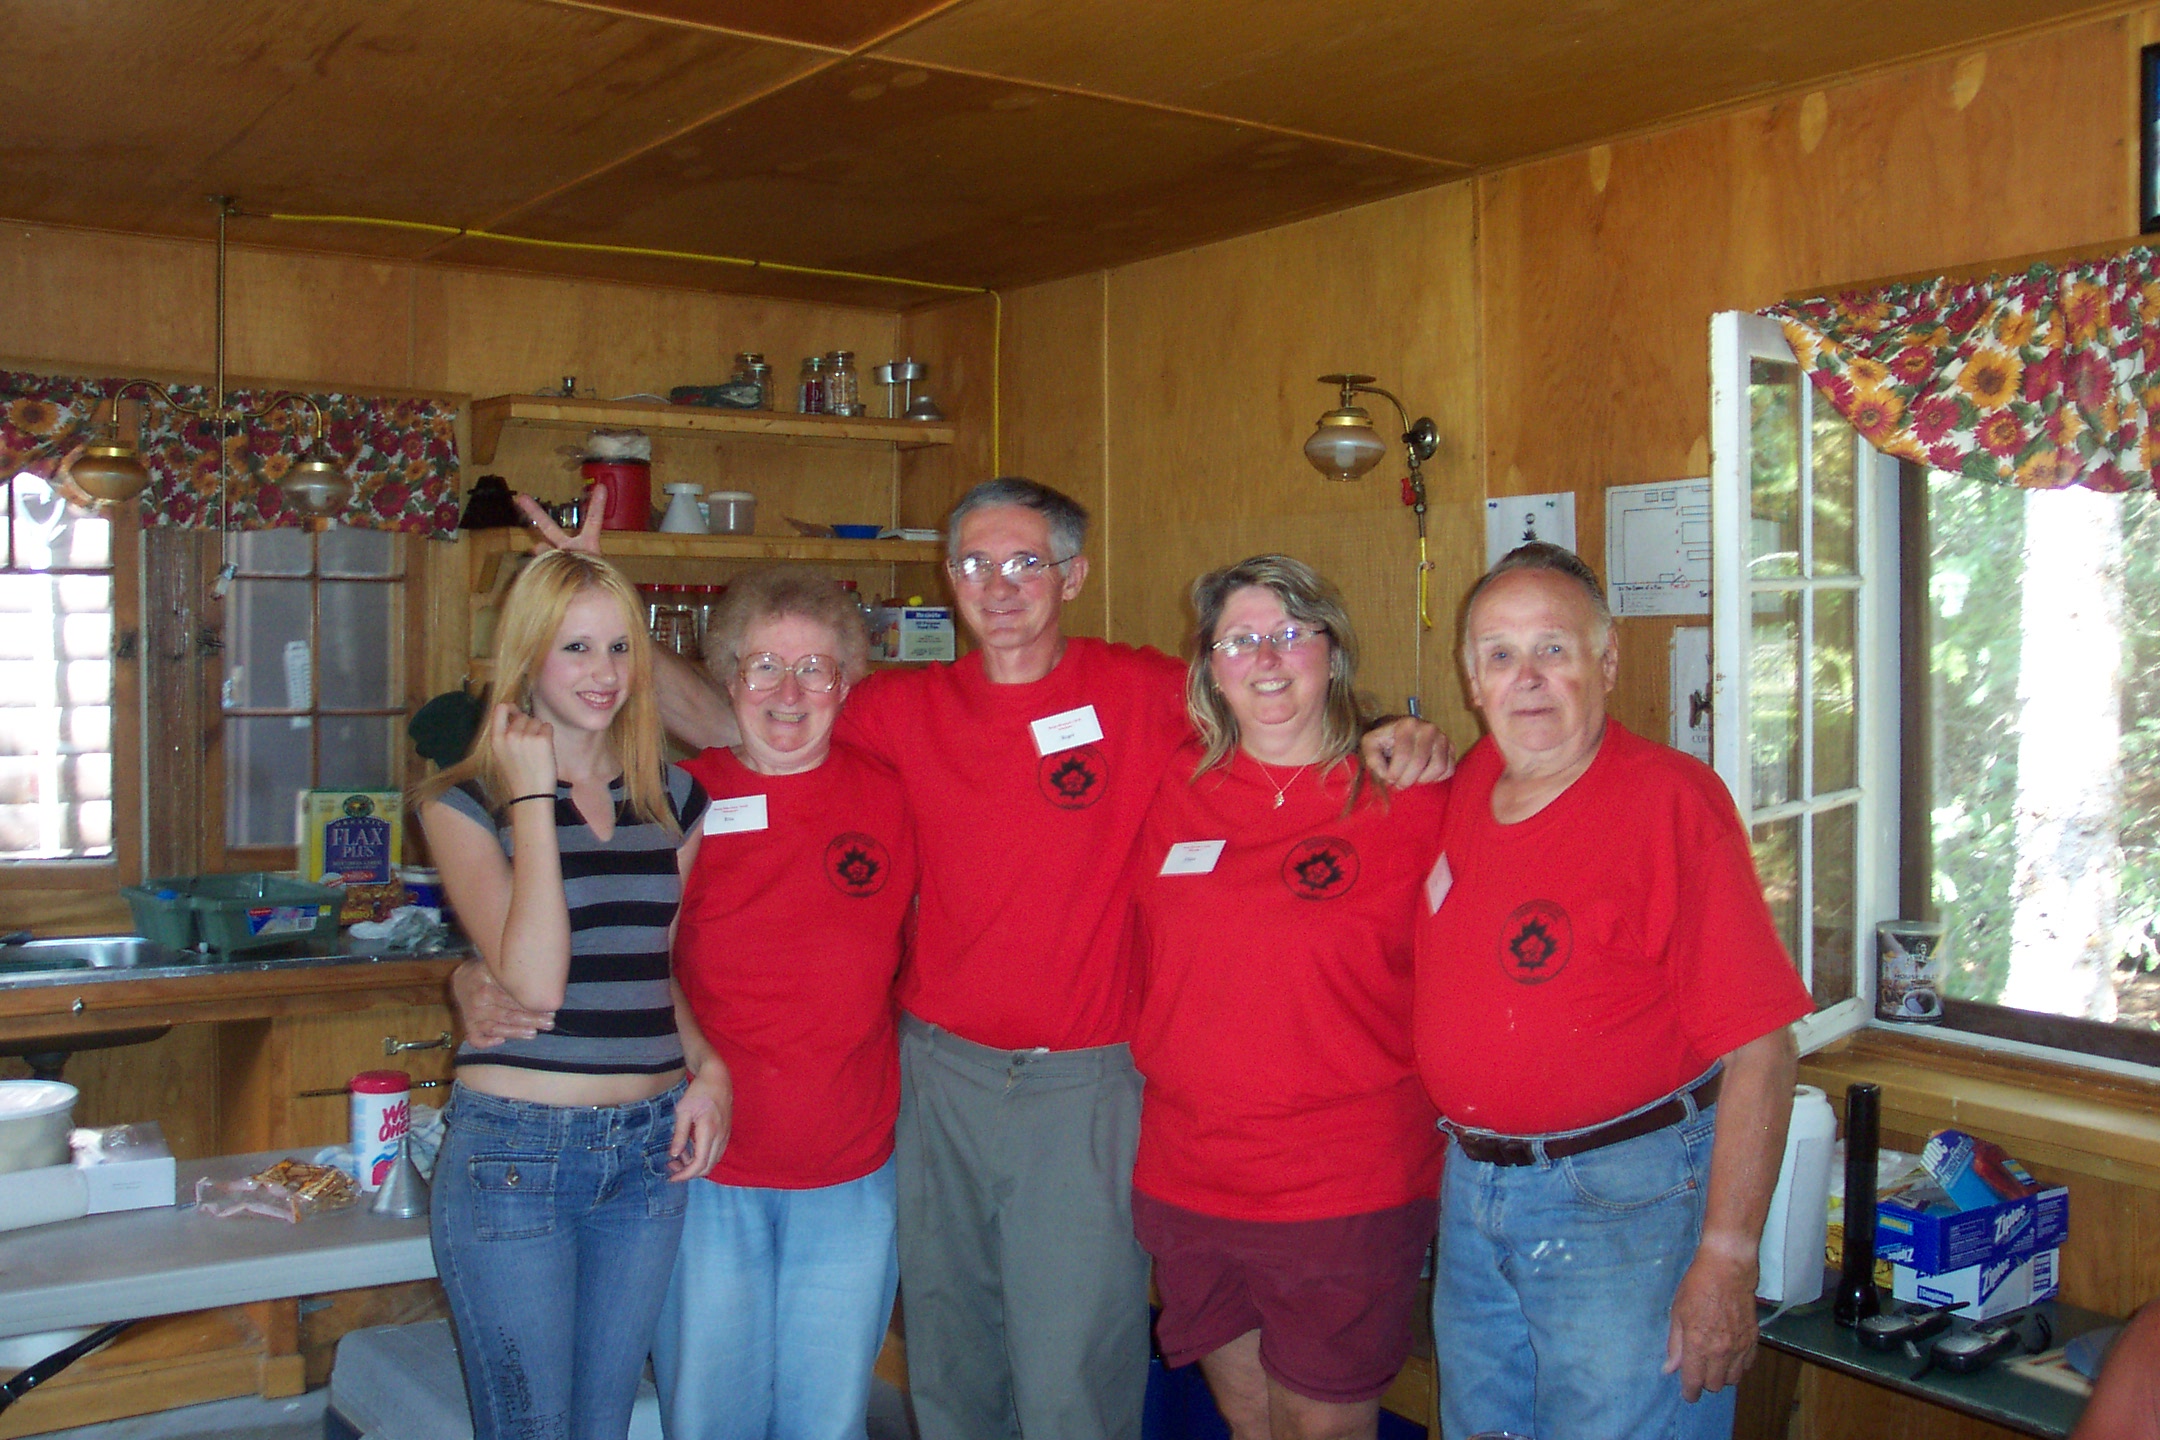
[(1804, 661), (70, 750)]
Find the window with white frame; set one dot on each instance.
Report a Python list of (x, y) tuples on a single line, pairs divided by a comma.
[(1804, 661), (1938, 698), (56, 679)]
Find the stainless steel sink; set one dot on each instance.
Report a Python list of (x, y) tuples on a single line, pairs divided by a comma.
[(90, 952)]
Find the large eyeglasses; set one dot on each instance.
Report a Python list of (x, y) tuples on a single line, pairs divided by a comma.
[(1020, 568), (1283, 638), (765, 671)]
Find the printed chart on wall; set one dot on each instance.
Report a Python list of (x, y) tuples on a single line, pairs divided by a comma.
[(1657, 548)]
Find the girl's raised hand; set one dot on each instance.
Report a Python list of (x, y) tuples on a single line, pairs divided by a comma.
[(527, 748)]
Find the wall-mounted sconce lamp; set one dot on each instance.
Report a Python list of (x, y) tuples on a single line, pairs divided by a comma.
[(1345, 446), (112, 469)]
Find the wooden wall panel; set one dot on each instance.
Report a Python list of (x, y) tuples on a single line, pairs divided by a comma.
[(1213, 359), (1602, 268), (1052, 389)]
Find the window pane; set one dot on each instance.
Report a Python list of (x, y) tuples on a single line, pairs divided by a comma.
[(341, 550), (266, 768), (56, 710), (51, 532), (2045, 812), (1835, 840), (271, 552), (1774, 486), (1777, 862), (1833, 658), (266, 645), (1834, 477), (1774, 699), (359, 645), (357, 752)]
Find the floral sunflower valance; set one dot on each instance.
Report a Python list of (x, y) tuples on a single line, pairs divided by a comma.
[(2045, 379), (401, 453)]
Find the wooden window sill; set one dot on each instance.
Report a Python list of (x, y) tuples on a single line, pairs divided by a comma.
[(2054, 1116)]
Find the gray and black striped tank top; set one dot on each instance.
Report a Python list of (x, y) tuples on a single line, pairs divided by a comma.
[(617, 1015)]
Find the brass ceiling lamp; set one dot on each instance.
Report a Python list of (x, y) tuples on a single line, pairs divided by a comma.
[(112, 470), (1344, 446)]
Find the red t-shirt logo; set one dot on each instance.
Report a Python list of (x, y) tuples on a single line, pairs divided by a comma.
[(1536, 943), (856, 864), (1072, 779), (1320, 868)]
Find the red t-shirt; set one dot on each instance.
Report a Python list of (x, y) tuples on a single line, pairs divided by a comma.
[(792, 928), (1276, 993), (1598, 955), (1019, 943)]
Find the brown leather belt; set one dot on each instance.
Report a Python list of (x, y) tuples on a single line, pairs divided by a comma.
[(1518, 1150)]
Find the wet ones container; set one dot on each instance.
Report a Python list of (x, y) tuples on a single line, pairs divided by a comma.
[(381, 1114)]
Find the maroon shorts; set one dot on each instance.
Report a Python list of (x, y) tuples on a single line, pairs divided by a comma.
[(1335, 1301)]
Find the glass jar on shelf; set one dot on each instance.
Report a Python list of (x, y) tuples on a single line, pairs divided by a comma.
[(843, 394), (751, 369), (810, 388)]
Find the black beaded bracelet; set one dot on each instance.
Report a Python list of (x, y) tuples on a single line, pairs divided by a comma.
[(536, 795)]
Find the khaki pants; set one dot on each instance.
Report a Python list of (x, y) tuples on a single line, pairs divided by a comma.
[(1024, 1291)]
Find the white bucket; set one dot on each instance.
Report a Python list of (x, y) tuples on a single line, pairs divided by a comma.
[(35, 1117)]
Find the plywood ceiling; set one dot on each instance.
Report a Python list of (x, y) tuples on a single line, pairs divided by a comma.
[(978, 143)]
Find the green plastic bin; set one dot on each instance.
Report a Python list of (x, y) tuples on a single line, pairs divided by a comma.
[(230, 914)]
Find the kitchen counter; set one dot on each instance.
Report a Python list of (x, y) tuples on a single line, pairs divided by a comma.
[(257, 986)]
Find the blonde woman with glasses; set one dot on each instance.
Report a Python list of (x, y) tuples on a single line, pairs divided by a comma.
[(1288, 1159)]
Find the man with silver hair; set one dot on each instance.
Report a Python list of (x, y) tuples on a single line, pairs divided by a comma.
[(1602, 1012), (1028, 765)]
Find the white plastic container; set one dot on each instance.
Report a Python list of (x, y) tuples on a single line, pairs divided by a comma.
[(35, 1117), (731, 512), (1791, 1257)]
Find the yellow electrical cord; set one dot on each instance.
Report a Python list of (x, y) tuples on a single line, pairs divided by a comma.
[(997, 333)]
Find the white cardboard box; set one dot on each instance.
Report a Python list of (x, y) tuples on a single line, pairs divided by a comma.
[(926, 632), (1982, 1292), (127, 1167)]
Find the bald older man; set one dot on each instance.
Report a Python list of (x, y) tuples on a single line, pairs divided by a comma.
[(1602, 1012)]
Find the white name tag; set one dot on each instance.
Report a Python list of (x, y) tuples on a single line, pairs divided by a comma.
[(1066, 731), (1191, 857), (728, 817), (1438, 884)]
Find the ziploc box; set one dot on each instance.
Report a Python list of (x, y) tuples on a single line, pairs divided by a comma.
[(351, 837), (1982, 1292), (1971, 1205)]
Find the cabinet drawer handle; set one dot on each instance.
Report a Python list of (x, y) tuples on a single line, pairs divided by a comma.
[(391, 1045)]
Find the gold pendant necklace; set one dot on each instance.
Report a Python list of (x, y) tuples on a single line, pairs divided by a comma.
[(1284, 788)]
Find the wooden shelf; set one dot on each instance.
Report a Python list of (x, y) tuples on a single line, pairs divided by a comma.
[(491, 549), (489, 415)]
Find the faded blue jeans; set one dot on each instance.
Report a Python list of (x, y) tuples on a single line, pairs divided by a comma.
[(555, 1229), (1553, 1291), (777, 1311)]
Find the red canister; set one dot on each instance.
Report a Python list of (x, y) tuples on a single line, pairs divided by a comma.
[(381, 1114), (629, 492)]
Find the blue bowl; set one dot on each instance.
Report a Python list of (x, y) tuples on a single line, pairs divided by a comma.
[(857, 532)]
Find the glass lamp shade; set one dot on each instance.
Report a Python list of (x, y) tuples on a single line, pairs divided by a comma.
[(110, 472), (316, 486), (1344, 446)]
